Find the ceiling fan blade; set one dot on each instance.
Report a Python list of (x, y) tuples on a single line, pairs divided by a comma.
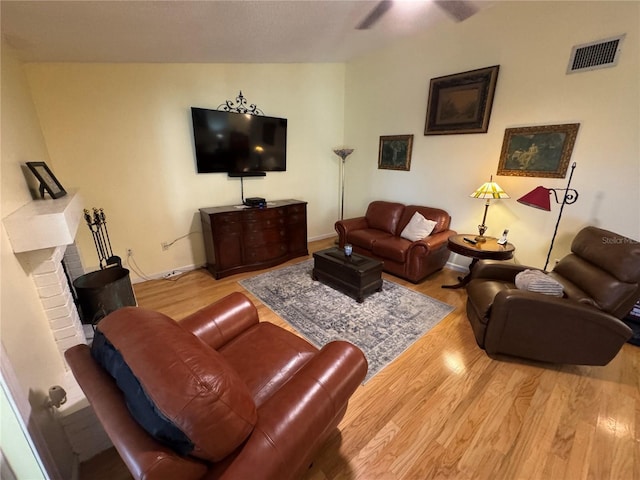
[(374, 15), (459, 10)]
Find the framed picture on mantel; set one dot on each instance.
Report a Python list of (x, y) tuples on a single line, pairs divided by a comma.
[(47, 180)]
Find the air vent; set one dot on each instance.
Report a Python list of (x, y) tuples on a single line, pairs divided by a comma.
[(594, 55)]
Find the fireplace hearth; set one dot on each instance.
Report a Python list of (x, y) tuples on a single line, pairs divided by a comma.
[(42, 233)]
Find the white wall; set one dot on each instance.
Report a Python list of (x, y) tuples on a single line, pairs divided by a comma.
[(24, 329), (531, 41), (122, 135)]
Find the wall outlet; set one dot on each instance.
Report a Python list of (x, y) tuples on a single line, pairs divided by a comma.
[(129, 252), (165, 246), (171, 274)]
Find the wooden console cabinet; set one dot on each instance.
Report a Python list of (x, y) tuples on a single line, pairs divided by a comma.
[(241, 239)]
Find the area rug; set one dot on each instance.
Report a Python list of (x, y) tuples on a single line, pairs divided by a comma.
[(383, 326)]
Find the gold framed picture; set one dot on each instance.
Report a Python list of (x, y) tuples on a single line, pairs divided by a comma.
[(542, 151)]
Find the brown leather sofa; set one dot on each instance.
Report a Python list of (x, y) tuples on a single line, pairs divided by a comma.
[(601, 283), (377, 235), (253, 400)]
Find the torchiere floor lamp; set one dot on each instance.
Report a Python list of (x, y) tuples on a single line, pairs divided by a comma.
[(343, 153)]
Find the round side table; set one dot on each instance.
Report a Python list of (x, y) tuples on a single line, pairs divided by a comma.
[(490, 249)]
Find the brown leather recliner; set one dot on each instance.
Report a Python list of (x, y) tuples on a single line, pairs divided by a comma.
[(251, 399), (601, 283), (377, 235)]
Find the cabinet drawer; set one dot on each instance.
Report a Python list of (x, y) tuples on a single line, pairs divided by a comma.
[(296, 218), (265, 252), (228, 229), (261, 237), (296, 209), (226, 218), (260, 225), (262, 215)]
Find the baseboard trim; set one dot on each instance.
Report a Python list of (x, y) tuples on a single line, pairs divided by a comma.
[(322, 237), (458, 268), (162, 275)]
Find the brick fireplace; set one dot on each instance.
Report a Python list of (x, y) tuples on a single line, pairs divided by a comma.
[(55, 294), (43, 232)]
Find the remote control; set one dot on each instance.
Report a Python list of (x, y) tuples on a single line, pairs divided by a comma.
[(469, 240)]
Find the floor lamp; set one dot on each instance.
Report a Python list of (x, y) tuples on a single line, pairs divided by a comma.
[(539, 197), (343, 153)]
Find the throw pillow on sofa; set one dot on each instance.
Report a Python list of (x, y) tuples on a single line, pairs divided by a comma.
[(418, 228)]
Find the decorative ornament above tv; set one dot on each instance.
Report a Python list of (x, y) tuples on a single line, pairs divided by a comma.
[(240, 106)]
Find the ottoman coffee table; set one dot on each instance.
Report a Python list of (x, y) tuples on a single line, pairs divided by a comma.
[(354, 275)]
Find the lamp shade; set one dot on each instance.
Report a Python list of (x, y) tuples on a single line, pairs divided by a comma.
[(537, 198), (489, 189), (343, 153)]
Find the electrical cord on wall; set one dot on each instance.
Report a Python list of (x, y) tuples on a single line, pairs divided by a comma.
[(131, 263), (166, 245), (174, 276)]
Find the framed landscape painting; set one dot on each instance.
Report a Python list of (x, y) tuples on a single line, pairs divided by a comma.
[(461, 103), (395, 152), (542, 151)]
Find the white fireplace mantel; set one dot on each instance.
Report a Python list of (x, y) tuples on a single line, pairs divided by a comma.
[(44, 223)]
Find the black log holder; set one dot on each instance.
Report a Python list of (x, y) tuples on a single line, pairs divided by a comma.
[(108, 289)]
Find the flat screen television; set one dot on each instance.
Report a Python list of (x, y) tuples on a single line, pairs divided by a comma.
[(238, 144)]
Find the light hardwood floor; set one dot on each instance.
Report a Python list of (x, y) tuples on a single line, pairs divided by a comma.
[(444, 409)]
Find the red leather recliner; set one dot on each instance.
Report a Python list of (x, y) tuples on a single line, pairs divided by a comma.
[(260, 400)]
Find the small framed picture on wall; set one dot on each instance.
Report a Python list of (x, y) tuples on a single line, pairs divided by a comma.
[(395, 152)]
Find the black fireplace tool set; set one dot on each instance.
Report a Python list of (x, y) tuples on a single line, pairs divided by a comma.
[(97, 223), (108, 289)]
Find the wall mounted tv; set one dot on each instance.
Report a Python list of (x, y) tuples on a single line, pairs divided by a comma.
[(238, 144)]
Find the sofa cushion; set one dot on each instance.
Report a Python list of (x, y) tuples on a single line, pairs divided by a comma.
[(184, 379), (417, 228), (366, 237), (384, 216), (284, 353), (392, 248)]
